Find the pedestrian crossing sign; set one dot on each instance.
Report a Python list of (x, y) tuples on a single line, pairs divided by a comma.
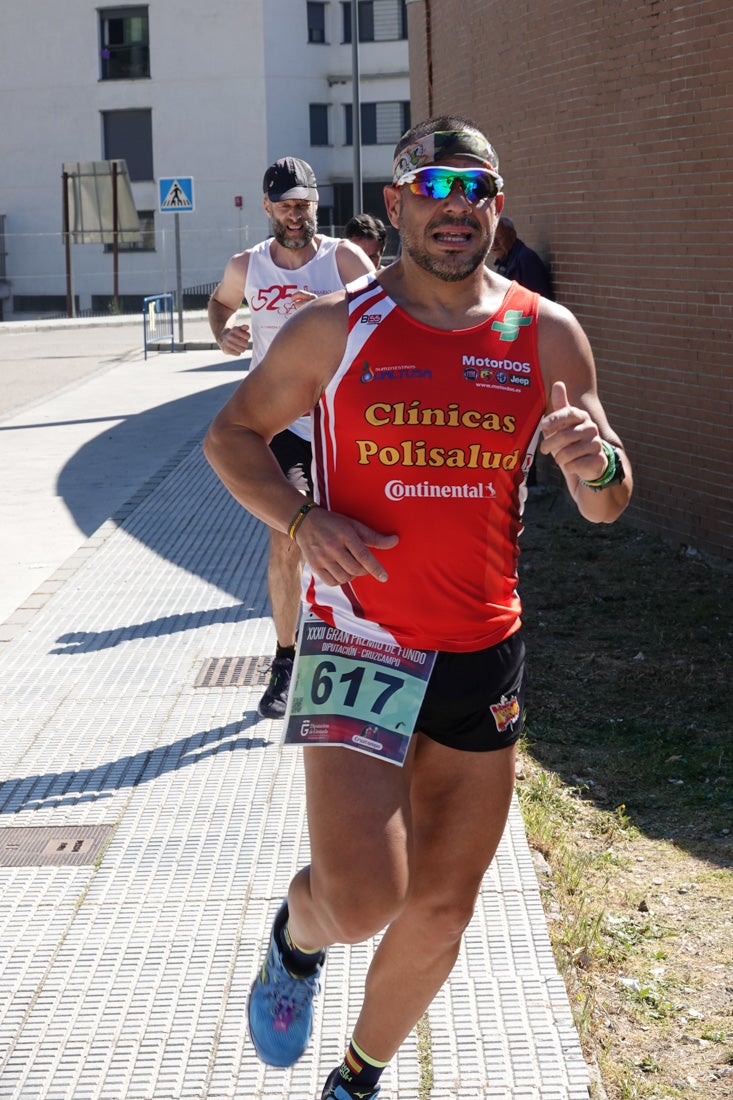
[(176, 194)]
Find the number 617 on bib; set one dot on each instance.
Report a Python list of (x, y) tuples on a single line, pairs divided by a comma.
[(361, 694)]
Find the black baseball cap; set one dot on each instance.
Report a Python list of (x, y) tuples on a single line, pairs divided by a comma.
[(290, 178)]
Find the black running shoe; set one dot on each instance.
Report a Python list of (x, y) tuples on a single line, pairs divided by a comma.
[(275, 700), (334, 1090)]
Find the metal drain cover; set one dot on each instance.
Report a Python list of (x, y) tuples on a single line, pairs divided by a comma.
[(52, 845), (233, 672)]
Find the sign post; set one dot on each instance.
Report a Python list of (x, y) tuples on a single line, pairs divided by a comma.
[(175, 195), (358, 199), (99, 208)]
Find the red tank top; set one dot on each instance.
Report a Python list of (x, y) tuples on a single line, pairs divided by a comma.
[(428, 434)]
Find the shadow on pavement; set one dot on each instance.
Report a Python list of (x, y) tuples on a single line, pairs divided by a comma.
[(91, 641), (66, 788), (105, 472)]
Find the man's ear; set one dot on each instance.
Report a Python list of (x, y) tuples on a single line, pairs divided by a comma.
[(267, 205), (499, 200), (392, 199)]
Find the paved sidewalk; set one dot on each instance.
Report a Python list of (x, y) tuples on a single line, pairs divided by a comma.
[(150, 822), (84, 420)]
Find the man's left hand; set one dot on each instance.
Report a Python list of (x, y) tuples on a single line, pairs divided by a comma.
[(571, 436)]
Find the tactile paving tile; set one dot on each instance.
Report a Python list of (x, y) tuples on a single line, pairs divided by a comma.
[(128, 979)]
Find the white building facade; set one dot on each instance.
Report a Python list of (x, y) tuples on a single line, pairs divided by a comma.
[(178, 89)]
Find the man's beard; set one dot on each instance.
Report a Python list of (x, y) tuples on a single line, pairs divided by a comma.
[(308, 232), (451, 269)]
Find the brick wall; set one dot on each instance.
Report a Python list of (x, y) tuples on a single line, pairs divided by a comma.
[(614, 127)]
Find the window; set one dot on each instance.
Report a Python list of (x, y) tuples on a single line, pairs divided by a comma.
[(379, 20), (124, 43), (316, 22), (128, 135), (381, 123), (319, 124), (147, 235), (366, 20)]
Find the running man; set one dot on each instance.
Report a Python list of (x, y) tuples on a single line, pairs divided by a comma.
[(430, 384)]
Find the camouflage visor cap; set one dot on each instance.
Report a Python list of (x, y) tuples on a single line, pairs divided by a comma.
[(443, 145)]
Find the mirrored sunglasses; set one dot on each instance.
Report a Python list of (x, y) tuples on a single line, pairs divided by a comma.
[(436, 183)]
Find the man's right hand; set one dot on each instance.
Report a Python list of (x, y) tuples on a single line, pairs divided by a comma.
[(337, 548), (234, 340)]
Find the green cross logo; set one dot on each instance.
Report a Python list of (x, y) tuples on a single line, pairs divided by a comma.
[(509, 327)]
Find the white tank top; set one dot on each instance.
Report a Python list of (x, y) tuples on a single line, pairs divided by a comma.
[(269, 290)]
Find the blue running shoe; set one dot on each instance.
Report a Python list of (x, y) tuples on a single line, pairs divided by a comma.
[(334, 1090), (280, 1008)]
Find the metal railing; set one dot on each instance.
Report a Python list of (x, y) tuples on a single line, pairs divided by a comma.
[(3, 253), (158, 321)]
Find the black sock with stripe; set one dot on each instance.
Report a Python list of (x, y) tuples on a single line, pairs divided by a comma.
[(358, 1073)]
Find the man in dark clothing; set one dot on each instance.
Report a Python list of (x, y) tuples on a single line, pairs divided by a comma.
[(369, 234), (515, 260)]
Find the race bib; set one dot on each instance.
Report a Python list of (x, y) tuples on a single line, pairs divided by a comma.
[(354, 692)]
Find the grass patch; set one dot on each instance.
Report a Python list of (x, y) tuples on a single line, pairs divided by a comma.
[(425, 1058), (626, 787)]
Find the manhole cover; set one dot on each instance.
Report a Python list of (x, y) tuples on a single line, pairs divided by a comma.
[(52, 845), (233, 672)]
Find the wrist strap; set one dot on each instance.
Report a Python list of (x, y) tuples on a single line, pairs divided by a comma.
[(299, 517), (608, 474)]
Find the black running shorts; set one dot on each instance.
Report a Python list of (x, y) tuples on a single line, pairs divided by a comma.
[(293, 456), (475, 701)]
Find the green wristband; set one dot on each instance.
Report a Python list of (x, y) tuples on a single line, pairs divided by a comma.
[(608, 474)]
